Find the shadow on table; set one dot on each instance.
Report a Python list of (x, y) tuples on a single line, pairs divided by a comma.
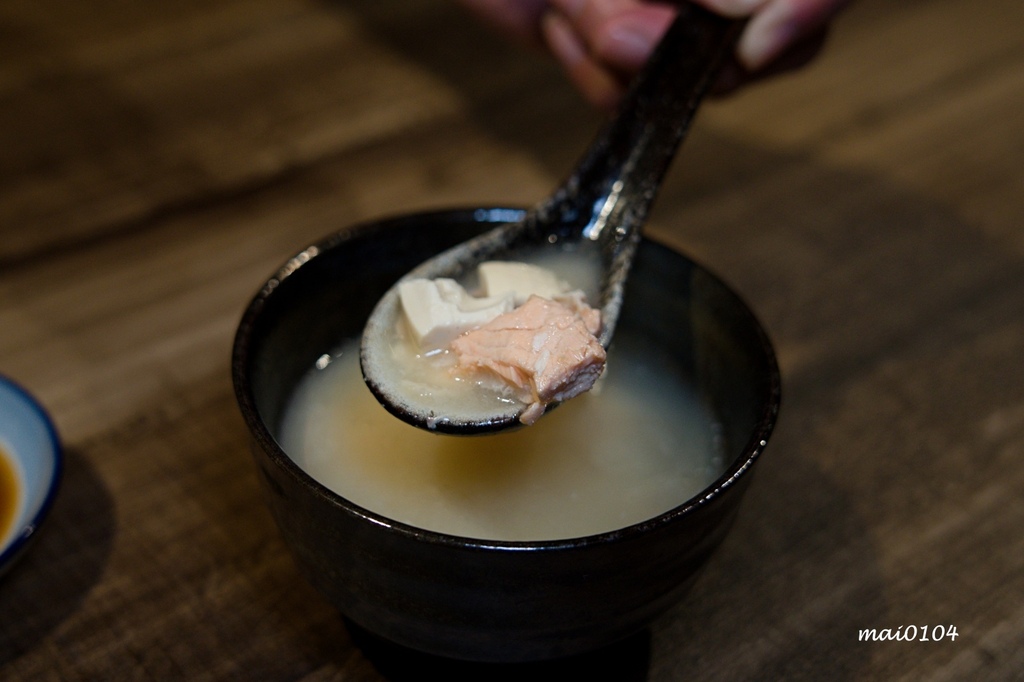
[(784, 595), (65, 561), (517, 94)]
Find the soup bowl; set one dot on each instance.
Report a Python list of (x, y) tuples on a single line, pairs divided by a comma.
[(479, 599)]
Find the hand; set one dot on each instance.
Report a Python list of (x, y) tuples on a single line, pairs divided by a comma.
[(602, 44)]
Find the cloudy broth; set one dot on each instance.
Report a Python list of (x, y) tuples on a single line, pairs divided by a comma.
[(636, 446)]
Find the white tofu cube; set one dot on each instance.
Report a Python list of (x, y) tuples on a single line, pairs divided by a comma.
[(522, 280), (437, 311)]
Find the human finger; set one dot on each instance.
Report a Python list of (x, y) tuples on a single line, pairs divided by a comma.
[(733, 75), (595, 81), (620, 34), (780, 24)]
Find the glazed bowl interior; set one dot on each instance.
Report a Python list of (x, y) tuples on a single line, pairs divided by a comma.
[(33, 459), (476, 598)]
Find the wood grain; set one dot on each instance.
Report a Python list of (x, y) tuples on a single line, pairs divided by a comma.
[(159, 160)]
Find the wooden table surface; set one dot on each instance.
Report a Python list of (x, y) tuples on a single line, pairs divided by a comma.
[(159, 160)]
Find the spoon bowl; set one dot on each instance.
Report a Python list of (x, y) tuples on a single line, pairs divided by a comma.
[(599, 210)]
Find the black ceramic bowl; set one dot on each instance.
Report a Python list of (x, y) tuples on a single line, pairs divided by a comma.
[(476, 599)]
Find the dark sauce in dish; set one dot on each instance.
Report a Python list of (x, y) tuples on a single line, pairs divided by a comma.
[(8, 493)]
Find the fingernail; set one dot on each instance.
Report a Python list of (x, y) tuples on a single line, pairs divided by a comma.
[(764, 38), (629, 43)]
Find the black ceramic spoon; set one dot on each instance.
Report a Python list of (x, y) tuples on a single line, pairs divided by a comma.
[(604, 201)]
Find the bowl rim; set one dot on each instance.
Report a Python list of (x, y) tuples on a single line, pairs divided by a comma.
[(29, 528), (260, 432)]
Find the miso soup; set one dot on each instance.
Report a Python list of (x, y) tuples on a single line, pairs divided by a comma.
[(639, 444)]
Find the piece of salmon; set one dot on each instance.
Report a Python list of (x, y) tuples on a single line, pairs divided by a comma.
[(545, 350)]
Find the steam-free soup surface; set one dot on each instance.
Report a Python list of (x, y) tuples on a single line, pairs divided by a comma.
[(638, 445)]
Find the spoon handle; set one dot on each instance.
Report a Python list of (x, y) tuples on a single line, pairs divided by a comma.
[(625, 164), (607, 197)]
